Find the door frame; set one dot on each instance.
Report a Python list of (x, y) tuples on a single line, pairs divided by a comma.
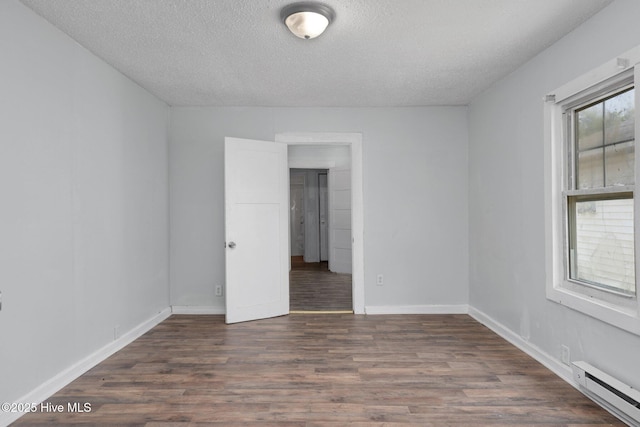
[(354, 140)]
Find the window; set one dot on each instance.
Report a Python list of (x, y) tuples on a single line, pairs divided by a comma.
[(600, 195), (591, 168)]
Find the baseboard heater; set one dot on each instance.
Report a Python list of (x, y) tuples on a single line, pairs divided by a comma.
[(617, 397)]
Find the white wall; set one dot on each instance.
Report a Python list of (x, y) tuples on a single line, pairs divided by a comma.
[(328, 156), (506, 199), (415, 196), (84, 217)]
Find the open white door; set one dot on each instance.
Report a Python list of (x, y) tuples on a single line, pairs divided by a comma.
[(256, 229), (340, 237)]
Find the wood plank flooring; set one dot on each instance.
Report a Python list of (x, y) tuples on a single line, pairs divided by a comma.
[(322, 370), (312, 287)]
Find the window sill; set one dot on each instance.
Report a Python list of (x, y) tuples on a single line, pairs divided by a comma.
[(621, 317)]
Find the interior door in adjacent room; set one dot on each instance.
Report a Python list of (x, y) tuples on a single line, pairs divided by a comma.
[(340, 234), (256, 229)]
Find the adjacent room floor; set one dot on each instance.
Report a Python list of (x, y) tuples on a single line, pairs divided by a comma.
[(312, 287), (322, 370)]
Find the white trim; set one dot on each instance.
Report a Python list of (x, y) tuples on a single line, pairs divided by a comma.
[(598, 75), (541, 356), (417, 309), (357, 197), (316, 164), (197, 309), (64, 378)]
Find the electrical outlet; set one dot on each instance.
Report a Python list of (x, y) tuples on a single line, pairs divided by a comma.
[(116, 332), (380, 280), (0, 300), (566, 355), (219, 291)]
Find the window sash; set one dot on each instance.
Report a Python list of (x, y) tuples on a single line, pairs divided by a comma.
[(615, 282), (580, 102), (572, 195)]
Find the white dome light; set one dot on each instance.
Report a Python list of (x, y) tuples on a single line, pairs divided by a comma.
[(307, 20)]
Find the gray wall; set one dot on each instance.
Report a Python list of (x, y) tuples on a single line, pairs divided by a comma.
[(506, 199), (415, 196), (84, 223)]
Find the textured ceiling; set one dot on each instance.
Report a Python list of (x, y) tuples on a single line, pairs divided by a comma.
[(375, 53)]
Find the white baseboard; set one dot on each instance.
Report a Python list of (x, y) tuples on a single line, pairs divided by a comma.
[(53, 385), (196, 309), (541, 356), (417, 309), (551, 363)]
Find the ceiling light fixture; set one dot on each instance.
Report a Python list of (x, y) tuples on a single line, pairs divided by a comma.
[(307, 20)]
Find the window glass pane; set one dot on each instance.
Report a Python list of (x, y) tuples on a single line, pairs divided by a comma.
[(620, 163), (605, 143), (602, 252), (619, 122), (590, 168), (619, 134), (590, 127)]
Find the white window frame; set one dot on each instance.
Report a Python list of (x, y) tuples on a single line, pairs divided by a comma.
[(618, 310)]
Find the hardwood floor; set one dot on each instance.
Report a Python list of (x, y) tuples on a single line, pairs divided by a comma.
[(312, 287), (322, 370)]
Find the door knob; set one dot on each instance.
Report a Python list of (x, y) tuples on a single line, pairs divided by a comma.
[(232, 245)]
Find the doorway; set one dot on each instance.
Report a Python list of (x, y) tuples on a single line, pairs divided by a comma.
[(313, 285), (309, 212), (355, 217), (247, 220)]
